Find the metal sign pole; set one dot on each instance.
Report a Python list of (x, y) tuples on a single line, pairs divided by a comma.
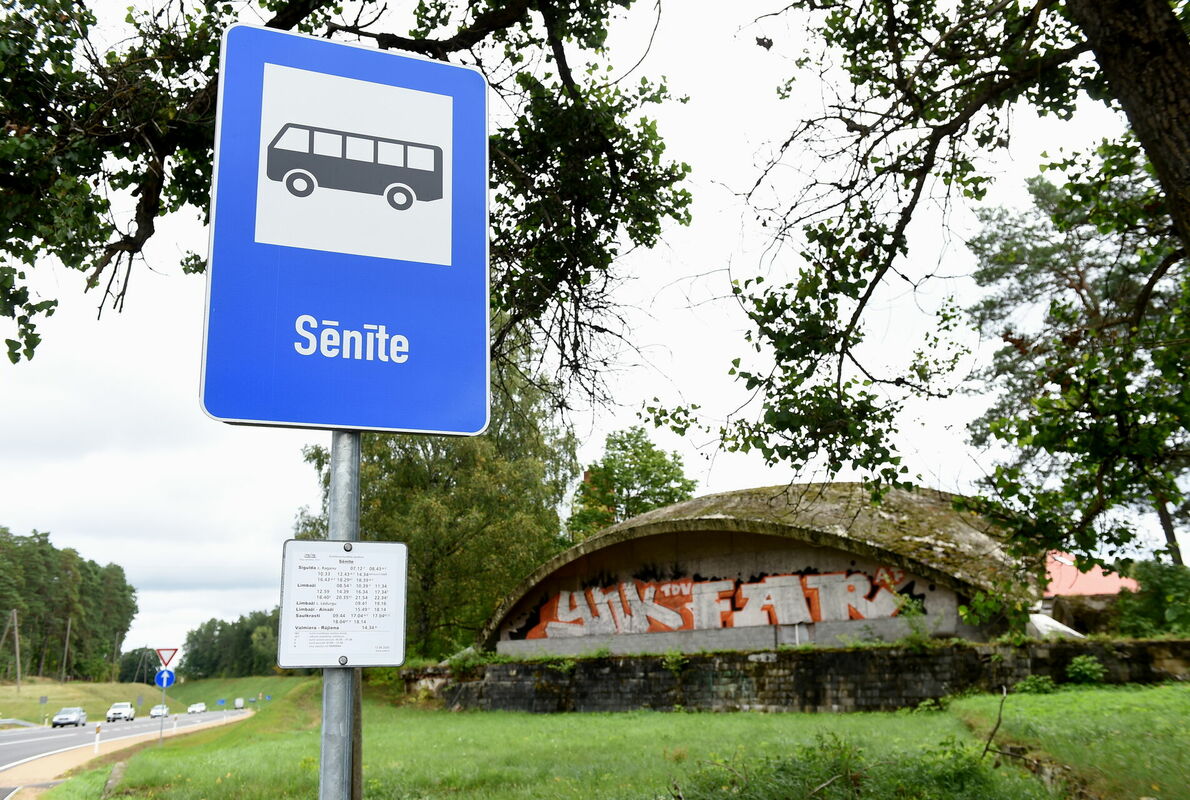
[(338, 697), (161, 731)]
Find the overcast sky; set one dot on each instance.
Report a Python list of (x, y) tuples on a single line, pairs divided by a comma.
[(106, 448)]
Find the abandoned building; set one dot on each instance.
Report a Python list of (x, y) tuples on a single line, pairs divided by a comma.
[(811, 564)]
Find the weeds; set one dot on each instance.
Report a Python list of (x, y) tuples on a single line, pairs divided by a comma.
[(1036, 684), (1085, 669), (835, 768), (674, 661)]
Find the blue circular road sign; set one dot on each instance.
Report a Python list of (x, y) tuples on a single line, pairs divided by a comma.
[(165, 678)]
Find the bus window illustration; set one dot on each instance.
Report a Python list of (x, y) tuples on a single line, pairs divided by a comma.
[(305, 158)]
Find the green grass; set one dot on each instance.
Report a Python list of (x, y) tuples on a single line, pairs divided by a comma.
[(411, 753), (833, 768), (1125, 742), (210, 691), (96, 697), (93, 697)]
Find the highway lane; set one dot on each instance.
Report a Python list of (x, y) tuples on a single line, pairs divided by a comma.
[(18, 745)]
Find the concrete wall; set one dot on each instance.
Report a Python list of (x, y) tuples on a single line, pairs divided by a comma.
[(697, 591), (858, 679)]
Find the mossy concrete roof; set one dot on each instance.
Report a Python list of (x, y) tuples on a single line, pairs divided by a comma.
[(919, 531)]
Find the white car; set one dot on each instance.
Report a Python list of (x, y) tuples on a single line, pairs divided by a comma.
[(69, 716), (158, 710), (196, 708), (123, 711)]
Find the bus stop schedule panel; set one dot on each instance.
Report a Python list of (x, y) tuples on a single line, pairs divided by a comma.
[(342, 604)]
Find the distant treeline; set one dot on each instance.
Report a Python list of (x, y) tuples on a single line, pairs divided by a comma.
[(219, 649), (55, 592)]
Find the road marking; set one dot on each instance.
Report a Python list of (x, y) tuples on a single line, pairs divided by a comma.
[(63, 750), (38, 739)]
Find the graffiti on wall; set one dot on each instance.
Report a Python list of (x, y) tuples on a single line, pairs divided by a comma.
[(686, 604)]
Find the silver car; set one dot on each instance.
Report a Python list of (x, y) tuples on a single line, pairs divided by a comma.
[(69, 716)]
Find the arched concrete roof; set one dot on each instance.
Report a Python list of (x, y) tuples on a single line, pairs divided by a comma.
[(919, 531)]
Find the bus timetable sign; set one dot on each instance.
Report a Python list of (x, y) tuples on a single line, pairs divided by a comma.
[(347, 278)]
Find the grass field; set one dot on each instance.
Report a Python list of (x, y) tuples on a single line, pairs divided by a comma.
[(1125, 742), (415, 753), (96, 697)]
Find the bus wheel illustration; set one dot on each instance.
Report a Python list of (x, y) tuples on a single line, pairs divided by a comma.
[(299, 183), (399, 197)]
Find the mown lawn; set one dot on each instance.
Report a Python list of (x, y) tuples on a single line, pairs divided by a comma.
[(254, 690), (1125, 742), (94, 697), (415, 753)]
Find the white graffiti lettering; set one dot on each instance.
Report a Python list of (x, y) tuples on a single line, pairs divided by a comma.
[(643, 607)]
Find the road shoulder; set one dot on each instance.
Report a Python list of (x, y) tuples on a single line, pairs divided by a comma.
[(53, 766)]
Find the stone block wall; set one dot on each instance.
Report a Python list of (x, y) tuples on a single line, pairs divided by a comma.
[(858, 679)]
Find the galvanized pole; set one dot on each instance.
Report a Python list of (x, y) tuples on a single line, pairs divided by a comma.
[(161, 731), (338, 700), (16, 630)]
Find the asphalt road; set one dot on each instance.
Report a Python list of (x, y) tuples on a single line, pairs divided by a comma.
[(18, 745)]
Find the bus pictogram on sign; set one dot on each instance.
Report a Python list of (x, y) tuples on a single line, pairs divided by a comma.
[(306, 158)]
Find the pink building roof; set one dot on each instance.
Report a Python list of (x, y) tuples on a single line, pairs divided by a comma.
[(1065, 578)]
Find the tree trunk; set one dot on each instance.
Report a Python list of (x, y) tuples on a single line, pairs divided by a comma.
[(1145, 56), (1171, 536), (45, 646), (16, 631), (66, 649)]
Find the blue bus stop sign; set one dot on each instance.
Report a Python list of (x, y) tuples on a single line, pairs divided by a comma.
[(347, 279), (165, 678)]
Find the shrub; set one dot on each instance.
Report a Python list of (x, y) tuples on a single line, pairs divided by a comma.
[(466, 660), (1036, 684), (1085, 669), (1161, 605), (674, 661)]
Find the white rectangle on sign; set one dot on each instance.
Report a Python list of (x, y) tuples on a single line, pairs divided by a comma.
[(342, 604)]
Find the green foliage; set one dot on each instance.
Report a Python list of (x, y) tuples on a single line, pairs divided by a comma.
[(1035, 684), (138, 665), (913, 611), (1085, 669), (51, 588), (222, 649), (674, 661), (1004, 607), (563, 664), (633, 477), (509, 756), (103, 121), (919, 97), (837, 769), (1161, 605), (467, 660), (918, 93), (1118, 742), (478, 513), (1087, 397)]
